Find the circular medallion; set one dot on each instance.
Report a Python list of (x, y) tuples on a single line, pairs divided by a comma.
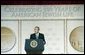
[(77, 38), (8, 39), (33, 44)]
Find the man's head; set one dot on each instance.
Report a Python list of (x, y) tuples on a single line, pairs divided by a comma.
[(36, 29)]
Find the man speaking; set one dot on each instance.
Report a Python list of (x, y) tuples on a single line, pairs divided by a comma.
[(37, 35)]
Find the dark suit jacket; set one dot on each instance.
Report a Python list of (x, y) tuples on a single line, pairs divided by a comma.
[(41, 36)]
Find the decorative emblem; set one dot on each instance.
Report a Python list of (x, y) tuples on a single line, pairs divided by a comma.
[(8, 39), (33, 44), (77, 38)]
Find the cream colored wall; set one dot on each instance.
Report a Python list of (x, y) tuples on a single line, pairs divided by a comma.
[(56, 29)]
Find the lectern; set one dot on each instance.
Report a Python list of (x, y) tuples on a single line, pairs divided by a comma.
[(34, 46)]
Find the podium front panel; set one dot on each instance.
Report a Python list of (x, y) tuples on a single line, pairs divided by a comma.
[(34, 45)]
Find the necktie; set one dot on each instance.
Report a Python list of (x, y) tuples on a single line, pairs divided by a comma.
[(36, 36)]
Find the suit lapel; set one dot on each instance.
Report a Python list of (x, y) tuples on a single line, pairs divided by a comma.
[(35, 36), (39, 36)]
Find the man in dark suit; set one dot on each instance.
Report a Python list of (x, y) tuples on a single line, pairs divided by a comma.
[(40, 36), (37, 35)]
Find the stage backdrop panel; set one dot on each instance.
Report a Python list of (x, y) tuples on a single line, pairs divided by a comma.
[(12, 25), (71, 25), (52, 30)]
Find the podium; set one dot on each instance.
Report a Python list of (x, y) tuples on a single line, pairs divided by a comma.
[(34, 45)]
